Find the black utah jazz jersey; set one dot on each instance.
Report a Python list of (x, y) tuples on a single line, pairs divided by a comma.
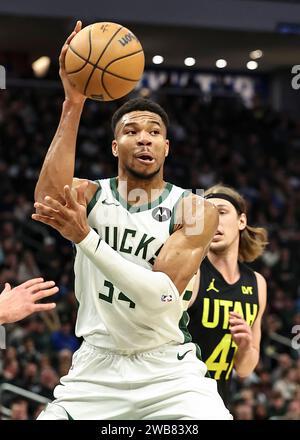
[(209, 318)]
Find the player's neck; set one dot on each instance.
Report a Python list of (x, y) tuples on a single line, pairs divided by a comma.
[(150, 189), (226, 263)]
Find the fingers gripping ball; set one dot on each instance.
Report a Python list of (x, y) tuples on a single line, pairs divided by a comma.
[(105, 61)]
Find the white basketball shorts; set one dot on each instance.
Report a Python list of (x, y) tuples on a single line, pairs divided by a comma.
[(167, 383)]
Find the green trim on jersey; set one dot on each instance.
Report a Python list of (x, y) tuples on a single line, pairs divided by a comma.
[(187, 295), (94, 199), (146, 206), (69, 416), (172, 221), (183, 327), (198, 351)]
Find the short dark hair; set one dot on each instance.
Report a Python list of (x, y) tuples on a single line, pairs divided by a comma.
[(136, 105)]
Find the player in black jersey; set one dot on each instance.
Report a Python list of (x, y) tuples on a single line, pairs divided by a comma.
[(229, 298)]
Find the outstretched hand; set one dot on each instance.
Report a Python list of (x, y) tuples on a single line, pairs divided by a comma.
[(70, 219), (20, 302), (71, 93)]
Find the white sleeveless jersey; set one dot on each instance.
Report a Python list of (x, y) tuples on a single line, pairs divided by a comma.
[(107, 317)]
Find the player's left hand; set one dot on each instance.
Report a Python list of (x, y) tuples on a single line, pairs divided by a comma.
[(241, 332), (70, 219)]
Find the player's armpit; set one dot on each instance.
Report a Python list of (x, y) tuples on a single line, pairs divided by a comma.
[(181, 255)]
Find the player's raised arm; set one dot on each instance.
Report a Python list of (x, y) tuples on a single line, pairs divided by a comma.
[(58, 167)]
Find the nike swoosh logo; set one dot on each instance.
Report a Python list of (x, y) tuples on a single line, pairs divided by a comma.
[(179, 357), (104, 202)]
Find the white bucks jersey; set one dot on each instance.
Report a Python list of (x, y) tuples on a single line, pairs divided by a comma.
[(108, 317)]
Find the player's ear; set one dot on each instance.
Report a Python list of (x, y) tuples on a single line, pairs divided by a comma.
[(167, 148), (114, 148), (242, 221)]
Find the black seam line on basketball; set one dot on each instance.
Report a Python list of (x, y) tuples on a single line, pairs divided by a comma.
[(105, 71), (120, 58), (86, 61), (90, 41), (100, 68), (104, 87), (100, 56), (117, 76)]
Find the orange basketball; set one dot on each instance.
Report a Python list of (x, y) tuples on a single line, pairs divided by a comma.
[(105, 61)]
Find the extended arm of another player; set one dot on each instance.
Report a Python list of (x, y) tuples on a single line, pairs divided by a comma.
[(20, 302), (246, 360)]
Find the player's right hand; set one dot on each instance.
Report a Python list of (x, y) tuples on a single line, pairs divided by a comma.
[(71, 94)]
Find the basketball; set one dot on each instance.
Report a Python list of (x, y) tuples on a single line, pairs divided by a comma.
[(105, 61)]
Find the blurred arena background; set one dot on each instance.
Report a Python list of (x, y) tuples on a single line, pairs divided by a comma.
[(238, 123)]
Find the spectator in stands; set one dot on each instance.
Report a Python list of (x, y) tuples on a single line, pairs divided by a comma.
[(19, 410), (277, 405), (64, 337), (242, 411)]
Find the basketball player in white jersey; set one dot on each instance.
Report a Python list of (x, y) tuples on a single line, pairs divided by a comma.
[(139, 241)]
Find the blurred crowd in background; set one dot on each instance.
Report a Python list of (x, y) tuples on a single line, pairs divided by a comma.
[(256, 150)]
